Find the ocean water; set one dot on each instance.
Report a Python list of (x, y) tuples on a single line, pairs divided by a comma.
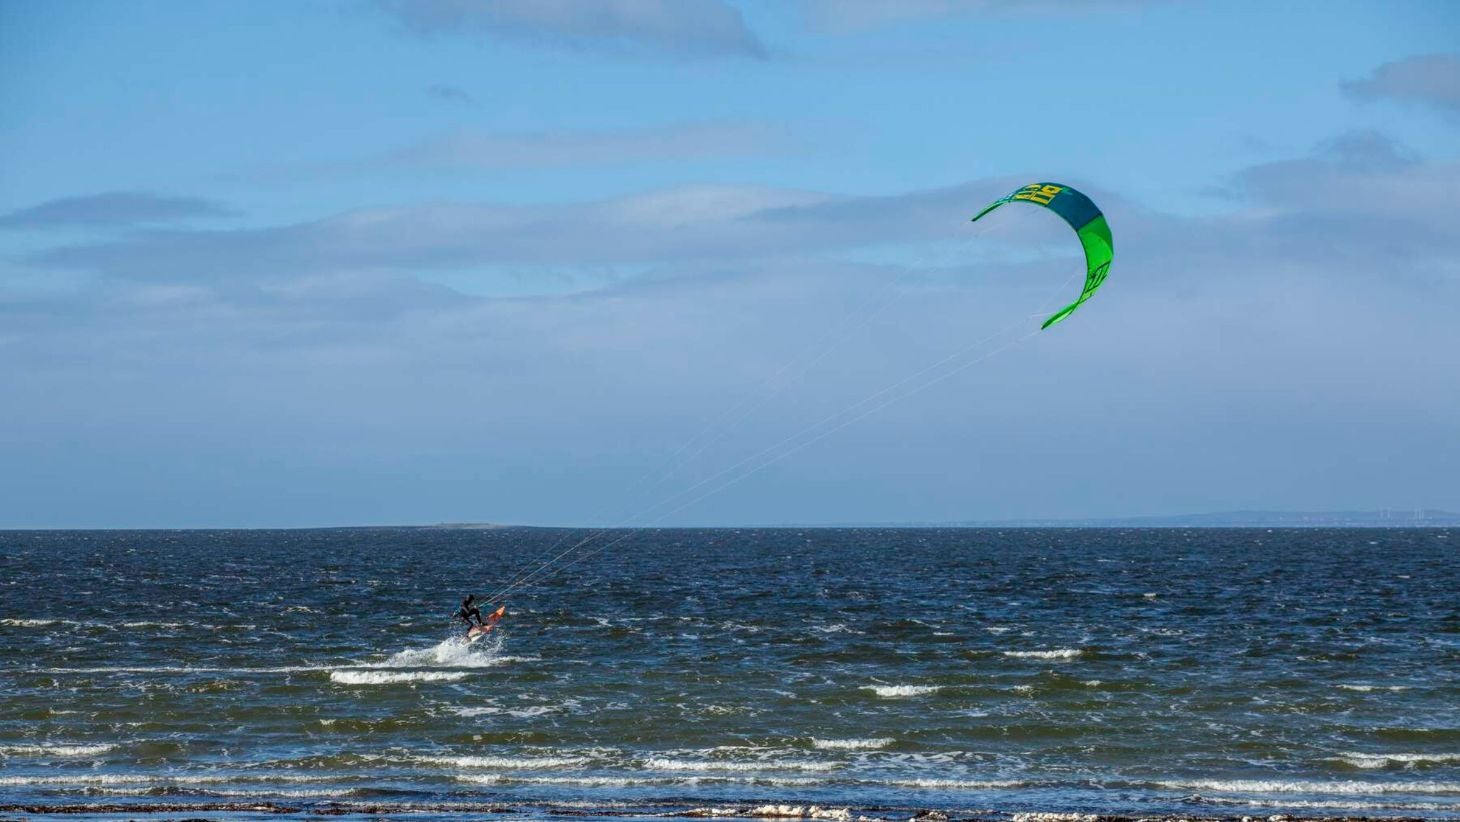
[(1201, 672)]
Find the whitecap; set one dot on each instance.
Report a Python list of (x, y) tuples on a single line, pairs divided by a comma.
[(953, 784), (801, 812), (852, 744), (475, 710), (896, 691), (1334, 804), (580, 781), (92, 778), (450, 653), (1353, 787), (55, 750), (1059, 653), (507, 762), (393, 677), (535, 710), (180, 669), (1363, 760), (663, 764)]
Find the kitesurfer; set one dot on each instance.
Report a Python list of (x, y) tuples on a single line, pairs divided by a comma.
[(469, 610)]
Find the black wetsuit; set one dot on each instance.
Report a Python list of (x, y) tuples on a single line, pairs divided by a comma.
[(468, 610)]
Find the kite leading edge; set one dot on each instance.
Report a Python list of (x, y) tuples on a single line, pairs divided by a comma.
[(1087, 221)]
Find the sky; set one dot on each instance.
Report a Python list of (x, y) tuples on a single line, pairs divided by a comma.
[(709, 262)]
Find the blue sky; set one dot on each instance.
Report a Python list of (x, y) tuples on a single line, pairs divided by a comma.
[(405, 262)]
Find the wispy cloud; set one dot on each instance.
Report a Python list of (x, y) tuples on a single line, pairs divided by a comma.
[(705, 223), (1430, 80), (114, 208), (667, 28), (1358, 199)]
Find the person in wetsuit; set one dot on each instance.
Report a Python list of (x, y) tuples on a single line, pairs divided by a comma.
[(469, 610)]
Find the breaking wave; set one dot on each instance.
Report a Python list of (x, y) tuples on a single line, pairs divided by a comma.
[(1060, 653), (661, 764), (56, 750), (1346, 788), (378, 677), (1363, 760), (896, 691), (852, 744)]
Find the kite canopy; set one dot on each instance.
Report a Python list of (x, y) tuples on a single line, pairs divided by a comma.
[(1087, 221)]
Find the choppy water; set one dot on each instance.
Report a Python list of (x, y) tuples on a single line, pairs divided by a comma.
[(1140, 671)]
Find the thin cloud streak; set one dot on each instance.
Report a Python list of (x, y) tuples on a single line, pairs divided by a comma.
[(114, 209)]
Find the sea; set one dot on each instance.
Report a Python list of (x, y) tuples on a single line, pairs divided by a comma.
[(881, 673)]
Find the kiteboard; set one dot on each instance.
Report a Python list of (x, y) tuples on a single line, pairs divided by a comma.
[(476, 632)]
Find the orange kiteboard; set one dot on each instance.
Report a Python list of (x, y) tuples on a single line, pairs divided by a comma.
[(476, 632)]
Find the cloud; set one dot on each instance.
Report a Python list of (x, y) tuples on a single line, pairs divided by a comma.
[(1431, 80), (1355, 202), (1357, 194), (853, 15), (449, 94), (114, 208), (564, 149), (1289, 352), (670, 28), (698, 223)]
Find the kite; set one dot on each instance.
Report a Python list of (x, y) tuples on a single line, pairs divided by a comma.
[(1087, 221)]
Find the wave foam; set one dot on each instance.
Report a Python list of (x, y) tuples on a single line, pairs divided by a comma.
[(1331, 804), (965, 784), (1350, 787), (393, 677), (1363, 760), (580, 781), (662, 764), (852, 744), (507, 763), (896, 691), (800, 812), (1060, 653), (55, 750), (91, 778), (450, 653)]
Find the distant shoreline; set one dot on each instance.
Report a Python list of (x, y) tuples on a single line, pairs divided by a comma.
[(1215, 522)]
